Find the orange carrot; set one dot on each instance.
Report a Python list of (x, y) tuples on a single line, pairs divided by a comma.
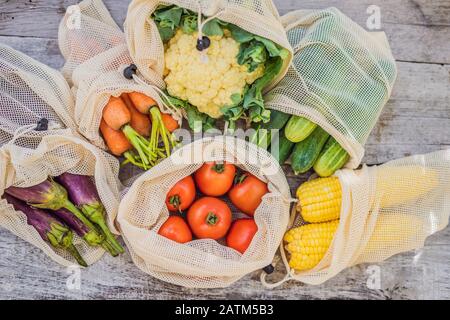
[(169, 122), (116, 113), (115, 140), (139, 121), (142, 102)]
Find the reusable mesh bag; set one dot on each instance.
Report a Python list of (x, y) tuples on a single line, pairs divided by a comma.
[(386, 210), (56, 154), (259, 17), (202, 263), (341, 77), (29, 92), (96, 55)]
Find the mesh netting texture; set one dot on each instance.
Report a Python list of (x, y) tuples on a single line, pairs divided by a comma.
[(386, 210), (96, 55), (30, 91), (202, 263), (341, 76), (259, 17)]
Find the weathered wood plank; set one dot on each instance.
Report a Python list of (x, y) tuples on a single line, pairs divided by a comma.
[(415, 28), (423, 274), (416, 120)]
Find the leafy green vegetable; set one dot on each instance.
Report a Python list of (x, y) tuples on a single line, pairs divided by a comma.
[(254, 51), (252, 54), (194, 116), (214, 27), (189, 22), (167, 19)]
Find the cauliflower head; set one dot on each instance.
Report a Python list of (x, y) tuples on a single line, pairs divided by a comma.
[(209, 84)]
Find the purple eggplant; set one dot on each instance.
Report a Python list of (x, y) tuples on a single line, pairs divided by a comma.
[(83, 193), (71, 221), (53, 196), (50, 229)]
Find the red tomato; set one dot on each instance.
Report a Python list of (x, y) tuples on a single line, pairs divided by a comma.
[(181, 196), (241, 234), (209, 218), (176, 229), (247, 193), (215, 179)]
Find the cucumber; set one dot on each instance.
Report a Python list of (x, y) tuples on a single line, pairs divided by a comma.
[(307, 151), (285, 149), (278, 120), (299, 128), (332, 158)]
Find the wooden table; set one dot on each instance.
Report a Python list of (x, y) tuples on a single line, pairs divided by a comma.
[(416, 120)]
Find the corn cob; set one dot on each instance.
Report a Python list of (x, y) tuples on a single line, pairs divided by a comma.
[(320, 200), (404, 184), (393, 233), (308, 244)]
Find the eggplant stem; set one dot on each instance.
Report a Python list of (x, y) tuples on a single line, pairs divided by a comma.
[(74, 252), (97, 238), (95, 214)]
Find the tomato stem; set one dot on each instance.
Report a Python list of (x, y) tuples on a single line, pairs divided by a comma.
[(219, 167), (240, 178), (175, 201), (212, 219)]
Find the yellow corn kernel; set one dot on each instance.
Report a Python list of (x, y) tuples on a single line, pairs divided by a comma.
[(308, 244), (401, 185), (320, 199)]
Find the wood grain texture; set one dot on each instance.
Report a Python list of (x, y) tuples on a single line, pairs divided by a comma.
[(416, 120)]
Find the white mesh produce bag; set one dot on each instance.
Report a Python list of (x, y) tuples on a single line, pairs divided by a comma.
[(386, 210), (258, 17), (96, 55), (202, 263), (341, 77), (29, 92)]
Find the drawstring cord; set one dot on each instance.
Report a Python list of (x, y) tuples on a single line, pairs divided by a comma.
[(21, 131), (165, 101), (201, 24)]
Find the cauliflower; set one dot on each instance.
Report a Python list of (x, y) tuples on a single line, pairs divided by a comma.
[(209, 84)]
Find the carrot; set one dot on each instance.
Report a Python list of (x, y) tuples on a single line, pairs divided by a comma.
[(142, 102), (139, 121), (169, 122), (116, 113), (115, 140)]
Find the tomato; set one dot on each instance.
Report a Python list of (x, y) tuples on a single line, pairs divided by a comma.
[(209, 218), (176, 229), (241, 234), (247, 193), (182, 194), (215, 179)]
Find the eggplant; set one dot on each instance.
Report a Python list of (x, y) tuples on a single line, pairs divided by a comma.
[(71, 221), (83, 193), (49, 228), (51, 195)]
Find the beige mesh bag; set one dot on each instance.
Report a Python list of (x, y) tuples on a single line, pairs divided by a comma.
[(386, 210), (259, 17), (96, 55), (29, 92), (341, 76), (202, 263)]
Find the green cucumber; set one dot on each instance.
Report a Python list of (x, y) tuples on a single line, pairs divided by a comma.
[(299, 128), (332, 158), (277, 121), (307, 151), (284, 149)]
